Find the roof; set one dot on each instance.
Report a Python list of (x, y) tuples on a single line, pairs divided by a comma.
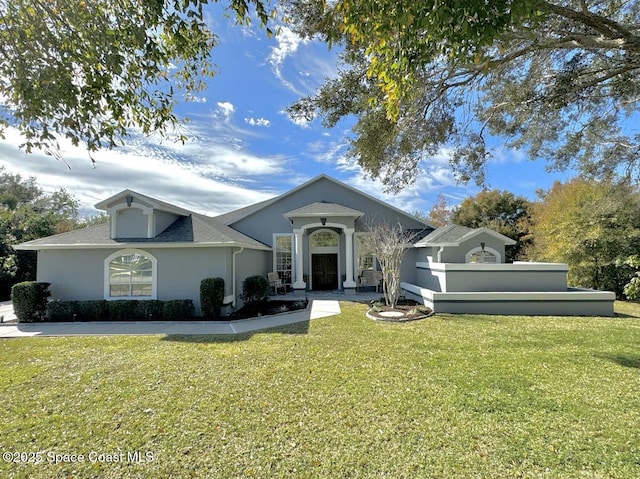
[(236, 215), (139, 197), (191, 230), (323, 208), (454, 235)]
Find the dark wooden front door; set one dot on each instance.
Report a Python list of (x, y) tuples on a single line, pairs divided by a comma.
[(324, 269)]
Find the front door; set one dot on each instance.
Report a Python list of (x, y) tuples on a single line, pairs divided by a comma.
[(324, 268)]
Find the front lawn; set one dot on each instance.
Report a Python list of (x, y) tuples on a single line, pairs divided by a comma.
[(451, 396)]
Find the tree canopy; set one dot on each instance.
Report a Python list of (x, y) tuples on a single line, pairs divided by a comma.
[(96, 70), (500, 211), (27, 213), (558, 78), (594, 227)]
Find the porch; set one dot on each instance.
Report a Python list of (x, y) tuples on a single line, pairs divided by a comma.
[(335, 295)]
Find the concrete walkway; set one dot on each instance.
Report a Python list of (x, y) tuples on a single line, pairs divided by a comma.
[(6, 312), (318, 309)]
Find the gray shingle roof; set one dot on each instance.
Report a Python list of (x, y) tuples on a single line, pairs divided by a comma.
[(194, 229), (445, 234), (452, 235)]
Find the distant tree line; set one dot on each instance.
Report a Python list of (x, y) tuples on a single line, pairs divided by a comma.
[(27, 213)]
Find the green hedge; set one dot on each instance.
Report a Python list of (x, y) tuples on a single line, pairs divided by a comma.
[(255, 289), (211, 297), (30, 300), (120, 310)]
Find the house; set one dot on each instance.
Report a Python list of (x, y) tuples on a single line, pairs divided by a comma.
[(312, 236)]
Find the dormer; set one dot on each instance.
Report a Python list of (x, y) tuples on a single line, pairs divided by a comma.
[(134, 215)]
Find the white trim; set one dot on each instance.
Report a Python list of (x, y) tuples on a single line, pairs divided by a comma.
[(486, 249), (154, 274), (27, 247), (275, 253), (519, 266)]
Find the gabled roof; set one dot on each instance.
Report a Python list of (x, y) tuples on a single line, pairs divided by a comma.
[(323, 208), (152, 202), (454, 235), (191, 230), (239, 214)]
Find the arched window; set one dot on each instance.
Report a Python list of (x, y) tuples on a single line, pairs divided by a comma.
[(130, 274), (483, 255), (324, 239)]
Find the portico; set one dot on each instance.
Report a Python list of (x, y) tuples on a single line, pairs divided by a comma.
[(324, 246)]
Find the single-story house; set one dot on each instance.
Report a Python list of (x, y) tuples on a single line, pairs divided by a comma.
[(312, 236)]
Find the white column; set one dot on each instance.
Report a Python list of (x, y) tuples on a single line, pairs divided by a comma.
[(349, 282), (299, 261)]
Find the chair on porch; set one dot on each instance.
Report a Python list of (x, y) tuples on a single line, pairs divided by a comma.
[(276, 283), (369, 278)]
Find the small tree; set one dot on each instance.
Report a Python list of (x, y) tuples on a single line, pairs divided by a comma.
[(390, 245)]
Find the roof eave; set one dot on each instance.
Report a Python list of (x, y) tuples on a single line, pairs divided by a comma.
[(136, 245)]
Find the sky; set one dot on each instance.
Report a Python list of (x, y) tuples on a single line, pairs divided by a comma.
[(242, 146)]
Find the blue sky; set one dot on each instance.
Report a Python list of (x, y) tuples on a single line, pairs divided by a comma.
[(243, 148)]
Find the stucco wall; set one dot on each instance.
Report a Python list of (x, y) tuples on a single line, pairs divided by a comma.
[(453, 277), (80, 274), (131, 223), (73, 274), (262, 224), (456, 254), (570, 302)]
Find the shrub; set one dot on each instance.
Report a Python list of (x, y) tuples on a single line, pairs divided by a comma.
[(125, 309), (151, 309), (96, 310), (211, 297), (255, 289), (30, 300), (62, 310), (177, 309)]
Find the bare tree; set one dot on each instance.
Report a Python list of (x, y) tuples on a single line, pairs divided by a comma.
[(389, 243)]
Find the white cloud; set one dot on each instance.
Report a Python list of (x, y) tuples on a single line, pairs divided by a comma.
[(226, 108), (257, 121), (288, 43), (202, 176)]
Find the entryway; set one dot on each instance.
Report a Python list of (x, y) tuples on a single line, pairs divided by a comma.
[(324, 268)]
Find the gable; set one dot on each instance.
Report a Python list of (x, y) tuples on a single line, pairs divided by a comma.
[(321, 192)]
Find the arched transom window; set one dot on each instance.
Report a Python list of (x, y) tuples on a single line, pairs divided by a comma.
[(483, 255), (324, 239), (131, 274)]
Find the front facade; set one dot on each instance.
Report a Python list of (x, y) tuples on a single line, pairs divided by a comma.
[(313, 237)]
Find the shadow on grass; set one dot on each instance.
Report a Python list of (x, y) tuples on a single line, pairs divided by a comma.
[(627, 361), (295, 328)]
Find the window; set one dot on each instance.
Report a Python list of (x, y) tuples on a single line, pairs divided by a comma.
[(483, 256), (131, 274), (366, 255), (324, 239), (282, 256)]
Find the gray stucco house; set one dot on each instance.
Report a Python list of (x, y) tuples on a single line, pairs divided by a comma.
[(312, 236)]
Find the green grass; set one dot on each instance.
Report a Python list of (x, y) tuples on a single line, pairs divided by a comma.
[(452, 396)]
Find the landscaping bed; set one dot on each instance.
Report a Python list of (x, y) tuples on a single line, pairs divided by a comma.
[(404, 311), (267, 308)]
